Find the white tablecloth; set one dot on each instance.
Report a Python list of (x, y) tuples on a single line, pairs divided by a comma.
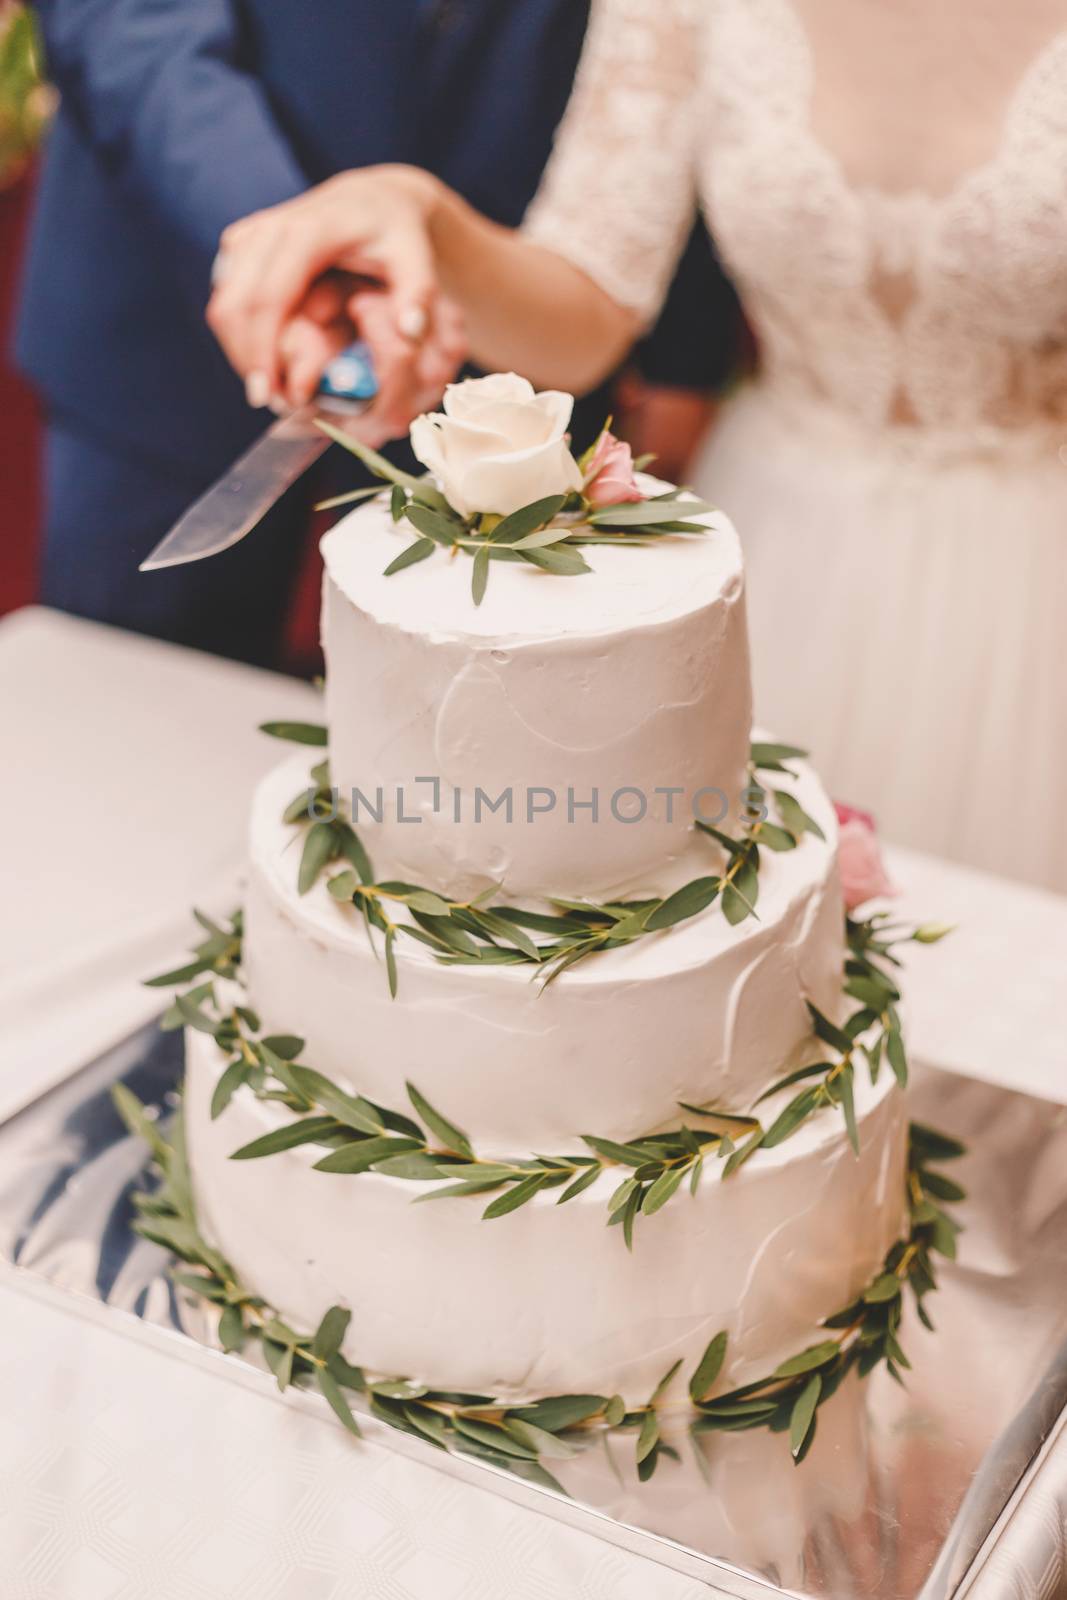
[(249, 1498), (124, 779), (127, 768)]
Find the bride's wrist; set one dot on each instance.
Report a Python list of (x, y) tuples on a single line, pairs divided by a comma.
[(452, 226), (456, 231)]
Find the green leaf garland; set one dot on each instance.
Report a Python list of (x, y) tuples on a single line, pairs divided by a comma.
[(862, 1335), (358, 1136), (469, 932)]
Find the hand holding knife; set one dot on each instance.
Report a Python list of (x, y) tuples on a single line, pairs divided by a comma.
[(240, 499)]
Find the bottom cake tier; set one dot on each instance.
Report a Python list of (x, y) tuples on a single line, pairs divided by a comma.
[(548, 1300)]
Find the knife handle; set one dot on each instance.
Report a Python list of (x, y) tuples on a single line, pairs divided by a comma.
[(350, 375)]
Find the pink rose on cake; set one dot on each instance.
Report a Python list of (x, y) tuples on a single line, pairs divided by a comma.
[(497, 445), (859, 857), (610, 479)]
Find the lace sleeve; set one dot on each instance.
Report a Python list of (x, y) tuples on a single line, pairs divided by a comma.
[(617, 197)]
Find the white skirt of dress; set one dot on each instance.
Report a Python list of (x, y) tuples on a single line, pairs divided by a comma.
[(907, 599)]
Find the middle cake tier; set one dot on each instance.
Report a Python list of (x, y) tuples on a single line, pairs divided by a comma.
[(704, 1012)]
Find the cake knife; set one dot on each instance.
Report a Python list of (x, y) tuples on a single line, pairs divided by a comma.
[(242, 497)]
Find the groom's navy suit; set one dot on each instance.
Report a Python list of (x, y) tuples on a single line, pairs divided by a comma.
[(176, 118)]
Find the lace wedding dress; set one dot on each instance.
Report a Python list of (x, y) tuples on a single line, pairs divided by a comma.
[(887, 184)]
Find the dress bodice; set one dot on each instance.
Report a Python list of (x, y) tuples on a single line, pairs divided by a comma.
[(880, 281)]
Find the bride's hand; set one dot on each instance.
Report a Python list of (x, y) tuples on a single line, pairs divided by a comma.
[(438, 358), (372, 223)]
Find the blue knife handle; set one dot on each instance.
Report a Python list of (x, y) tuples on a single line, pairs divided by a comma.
[(350, 375)]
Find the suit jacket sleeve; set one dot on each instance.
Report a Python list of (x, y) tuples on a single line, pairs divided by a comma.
[(697, 341), (162, 93)]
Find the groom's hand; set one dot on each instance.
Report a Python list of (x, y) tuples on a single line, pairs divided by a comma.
[(319, 329), (340, 308), (373, 224)]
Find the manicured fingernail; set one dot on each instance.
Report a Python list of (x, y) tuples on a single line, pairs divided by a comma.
[(412, 322), (257, 390)]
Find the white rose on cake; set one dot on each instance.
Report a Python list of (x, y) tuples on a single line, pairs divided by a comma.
[(504, 483), (498, 445)]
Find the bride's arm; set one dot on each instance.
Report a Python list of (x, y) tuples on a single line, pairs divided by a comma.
[(527, 308), (593, 260)]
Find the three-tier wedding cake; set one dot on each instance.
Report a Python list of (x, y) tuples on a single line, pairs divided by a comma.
[(549, 882)]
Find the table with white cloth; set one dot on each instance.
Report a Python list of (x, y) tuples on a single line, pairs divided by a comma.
[(128, 1468)]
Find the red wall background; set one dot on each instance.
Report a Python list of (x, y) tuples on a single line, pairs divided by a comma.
[(19, 424), (20, 476)]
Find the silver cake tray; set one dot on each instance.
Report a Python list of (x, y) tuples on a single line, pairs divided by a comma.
[(902, 1488)]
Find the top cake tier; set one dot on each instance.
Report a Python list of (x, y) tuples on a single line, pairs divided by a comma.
[(558, 738)]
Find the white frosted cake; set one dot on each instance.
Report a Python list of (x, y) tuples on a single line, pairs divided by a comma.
[(552, 943), (637, 680)]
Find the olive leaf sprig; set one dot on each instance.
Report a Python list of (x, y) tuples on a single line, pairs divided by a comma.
[(219, 954), (871, 1034), (423, 1145), (466, 932), (361, 1136), (545, 534), (865, 1333), (522, 1437), (739, 884)]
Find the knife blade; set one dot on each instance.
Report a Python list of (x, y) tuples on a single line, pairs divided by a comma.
[(241, 498)]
